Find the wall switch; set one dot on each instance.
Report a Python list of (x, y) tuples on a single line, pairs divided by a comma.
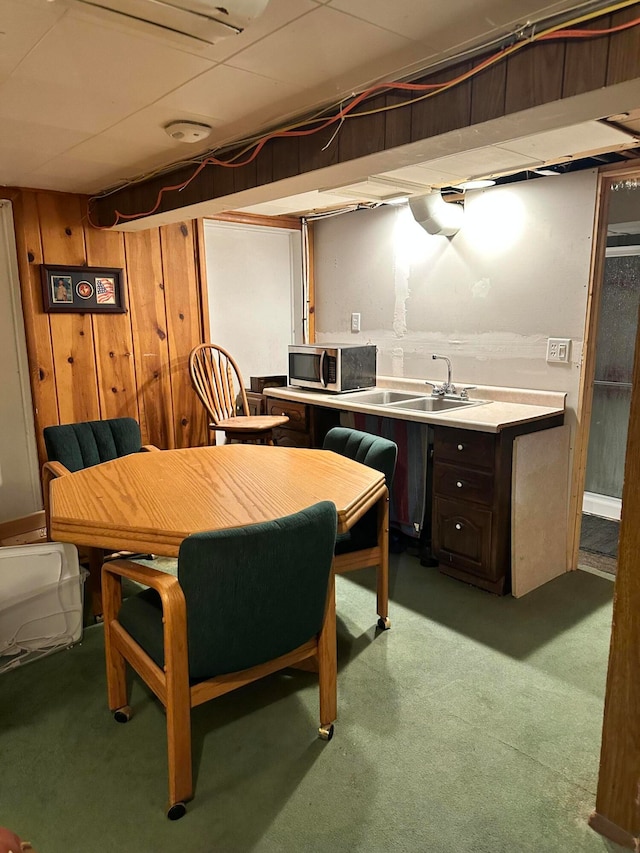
[(355, 322), (559, 350)]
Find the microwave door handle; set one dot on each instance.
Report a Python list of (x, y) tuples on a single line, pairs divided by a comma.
[(322, 376)]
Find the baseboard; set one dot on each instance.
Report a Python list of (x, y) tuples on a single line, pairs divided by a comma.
[(613, 832), (602, 505)]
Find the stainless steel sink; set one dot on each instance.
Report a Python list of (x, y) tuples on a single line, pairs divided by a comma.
[(382, 397), (435, 404)]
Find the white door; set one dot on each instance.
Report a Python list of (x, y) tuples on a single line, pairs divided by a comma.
[(254, 278)]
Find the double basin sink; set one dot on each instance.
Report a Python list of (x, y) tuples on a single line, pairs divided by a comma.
[(410, 401)]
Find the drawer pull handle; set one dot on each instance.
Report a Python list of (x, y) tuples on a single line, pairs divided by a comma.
[(458, 526), (459, 484), (461, 447)]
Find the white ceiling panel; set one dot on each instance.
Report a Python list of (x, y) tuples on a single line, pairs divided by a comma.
[(214, 94), (325, 44), (104, 60), (22, 25), (560, 144), (278, 14)]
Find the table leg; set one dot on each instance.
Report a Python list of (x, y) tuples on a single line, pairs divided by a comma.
[(383, 566), (96, 559)]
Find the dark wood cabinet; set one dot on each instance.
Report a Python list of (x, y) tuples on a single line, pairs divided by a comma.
[(471, 511), (471, 497), (307, 425)]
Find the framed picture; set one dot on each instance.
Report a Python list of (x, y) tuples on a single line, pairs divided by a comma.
[(83, 289)]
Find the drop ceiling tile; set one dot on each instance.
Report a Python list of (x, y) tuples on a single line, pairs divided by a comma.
[(71, 174), (22, 25), (425, 174), (445, 25), (26, 145), (278, 14), (320, 47), (56, 105), (216, 94), (109, 62), (569, 141)]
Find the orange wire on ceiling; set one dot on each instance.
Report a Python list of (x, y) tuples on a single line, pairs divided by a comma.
[(320, 123)]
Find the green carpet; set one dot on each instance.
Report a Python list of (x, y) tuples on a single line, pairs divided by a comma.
[(473, 726)]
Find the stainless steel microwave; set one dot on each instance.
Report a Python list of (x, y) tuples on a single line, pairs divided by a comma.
[(332, 367)]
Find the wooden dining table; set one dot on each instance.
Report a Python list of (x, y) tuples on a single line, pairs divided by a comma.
[(150, 502)]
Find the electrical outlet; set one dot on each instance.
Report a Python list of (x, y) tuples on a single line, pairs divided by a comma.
[(559, 350), (355, 322)]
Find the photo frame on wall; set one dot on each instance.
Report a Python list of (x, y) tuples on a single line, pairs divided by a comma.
[(96, 290)]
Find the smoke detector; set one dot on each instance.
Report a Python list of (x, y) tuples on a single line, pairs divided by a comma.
[(187, 131)]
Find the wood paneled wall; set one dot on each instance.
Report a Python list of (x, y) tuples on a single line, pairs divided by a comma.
[(95, 366)]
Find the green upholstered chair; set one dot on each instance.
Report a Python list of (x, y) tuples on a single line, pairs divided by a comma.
[(81, 445), (72, 447), (246, 602), (366, 544)]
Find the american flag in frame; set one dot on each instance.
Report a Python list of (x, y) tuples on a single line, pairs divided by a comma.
[(95, 290)]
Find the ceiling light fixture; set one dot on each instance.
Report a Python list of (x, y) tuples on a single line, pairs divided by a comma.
[(476, 185)]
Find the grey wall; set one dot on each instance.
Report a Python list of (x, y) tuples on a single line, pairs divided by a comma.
[(515, 274), (19, 476)]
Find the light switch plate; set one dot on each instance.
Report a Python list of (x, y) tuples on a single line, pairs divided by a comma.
[(559, 350), (355, 322)]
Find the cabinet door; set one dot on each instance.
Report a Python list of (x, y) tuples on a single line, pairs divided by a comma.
[(283, 437), (298, 413), (462, 536)]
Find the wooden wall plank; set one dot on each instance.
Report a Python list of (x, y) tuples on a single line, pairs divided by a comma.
[(488, 93), (444, 111), (72, 342), (112, 334), (534, 76), (363, 135), (184, 326), (585, 65), (150, 345), (397, 130), (317, 150), (37, 327), (624, 52), (286, 158)]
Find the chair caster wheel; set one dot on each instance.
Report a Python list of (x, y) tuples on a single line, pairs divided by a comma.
[(325, 732), (176, 811), (384, 624), (122, 715)]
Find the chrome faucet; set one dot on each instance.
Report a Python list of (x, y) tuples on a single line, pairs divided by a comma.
[(446, 387)]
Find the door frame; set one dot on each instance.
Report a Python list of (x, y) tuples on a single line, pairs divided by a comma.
[(607, 176)]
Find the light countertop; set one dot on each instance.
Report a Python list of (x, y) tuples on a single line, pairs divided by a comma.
[(506, 407)]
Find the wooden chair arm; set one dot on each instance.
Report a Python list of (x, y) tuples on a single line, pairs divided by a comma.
[(174, 617), (50, 471), (174, 607), (160, 581), (149, 447), (54, 469)]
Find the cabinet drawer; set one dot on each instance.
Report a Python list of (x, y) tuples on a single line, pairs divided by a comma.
[(462, 536), (462, 483), (296, 412), (464, 447)]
